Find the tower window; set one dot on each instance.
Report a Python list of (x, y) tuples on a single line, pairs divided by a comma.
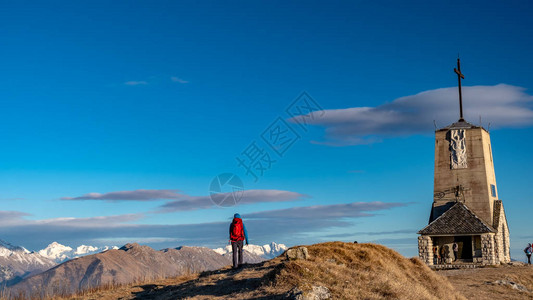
[(493, 190)]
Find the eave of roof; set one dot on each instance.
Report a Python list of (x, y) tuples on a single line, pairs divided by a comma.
[(458, 219)]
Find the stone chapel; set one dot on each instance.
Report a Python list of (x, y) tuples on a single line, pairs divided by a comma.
[(466, 208)]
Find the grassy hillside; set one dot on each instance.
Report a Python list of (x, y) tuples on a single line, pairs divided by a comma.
[(349, 271), (365, 271)]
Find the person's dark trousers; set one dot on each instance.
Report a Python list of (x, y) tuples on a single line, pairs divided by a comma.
[(236, 247), (529, 259), (456, 254)]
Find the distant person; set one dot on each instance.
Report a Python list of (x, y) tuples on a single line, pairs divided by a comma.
[(455, 249), (237, 235), (528, 252), (443, 254)]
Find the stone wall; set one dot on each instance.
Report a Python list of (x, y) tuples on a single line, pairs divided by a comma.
[(487, 249), (425, 249), (501, 241), (507, 244)]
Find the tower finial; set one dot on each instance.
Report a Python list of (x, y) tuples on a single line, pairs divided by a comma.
[(459, 77)]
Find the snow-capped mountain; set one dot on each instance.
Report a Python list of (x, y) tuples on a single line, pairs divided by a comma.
[(267, 251), (17, 262), (60, 253), (7, 249), (122, 266), (56, 252)]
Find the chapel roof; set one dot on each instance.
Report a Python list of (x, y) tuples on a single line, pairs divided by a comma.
[(457, 220), (461, 124)]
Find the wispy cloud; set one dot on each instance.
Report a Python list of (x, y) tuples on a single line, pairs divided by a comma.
[(334, 211), (133, 82), (372, 233), (306, 222), (286, 225), (35, 234), (502, 105), (8, 217), (136, 195), (248, 197), (100, 221), (183, 202), (178, 80)]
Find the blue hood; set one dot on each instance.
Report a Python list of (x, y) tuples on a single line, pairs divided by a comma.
[(237, 216)]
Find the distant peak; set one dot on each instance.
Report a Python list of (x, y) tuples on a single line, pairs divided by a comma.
[(56, 245), (129, 246), (11, 247), (134, 246)]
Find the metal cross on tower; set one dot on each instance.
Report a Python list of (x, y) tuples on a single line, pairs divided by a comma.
[(459, 76)]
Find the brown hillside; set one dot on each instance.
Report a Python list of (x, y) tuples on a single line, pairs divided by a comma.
[(128, 264), (349, 271)]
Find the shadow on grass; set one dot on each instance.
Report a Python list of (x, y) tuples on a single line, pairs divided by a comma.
[(225, 286)]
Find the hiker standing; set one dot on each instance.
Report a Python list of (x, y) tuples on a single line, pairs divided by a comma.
[(455, 251), (237, 235), (528, 251)]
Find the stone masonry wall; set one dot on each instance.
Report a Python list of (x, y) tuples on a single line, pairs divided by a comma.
[(498, 249), (487, 249), (425, 249), (502, 242), (507, 256)]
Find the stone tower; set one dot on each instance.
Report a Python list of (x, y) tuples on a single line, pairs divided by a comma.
[(466, 209)]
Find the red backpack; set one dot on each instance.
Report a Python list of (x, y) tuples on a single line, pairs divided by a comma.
[(236, 230)]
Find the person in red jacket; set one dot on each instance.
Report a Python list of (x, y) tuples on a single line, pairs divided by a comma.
[(237, 236)]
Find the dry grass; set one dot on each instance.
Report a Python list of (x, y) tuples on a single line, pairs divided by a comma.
[(365, 271), (104, 291), (479, 283), (349, 271)]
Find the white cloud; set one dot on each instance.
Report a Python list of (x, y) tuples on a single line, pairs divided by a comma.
[(502, 105), (184, 202), (289, 225), (178, 80), (248, 197), (325, 212), (133, 82), (136, 195), (99, 221)]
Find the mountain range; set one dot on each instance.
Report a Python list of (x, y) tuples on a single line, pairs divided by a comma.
[(267, 251), (124, 265), (60, 268), (17, 263), (60, 253)]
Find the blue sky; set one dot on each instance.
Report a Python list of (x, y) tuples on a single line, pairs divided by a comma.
[(125, 96)]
